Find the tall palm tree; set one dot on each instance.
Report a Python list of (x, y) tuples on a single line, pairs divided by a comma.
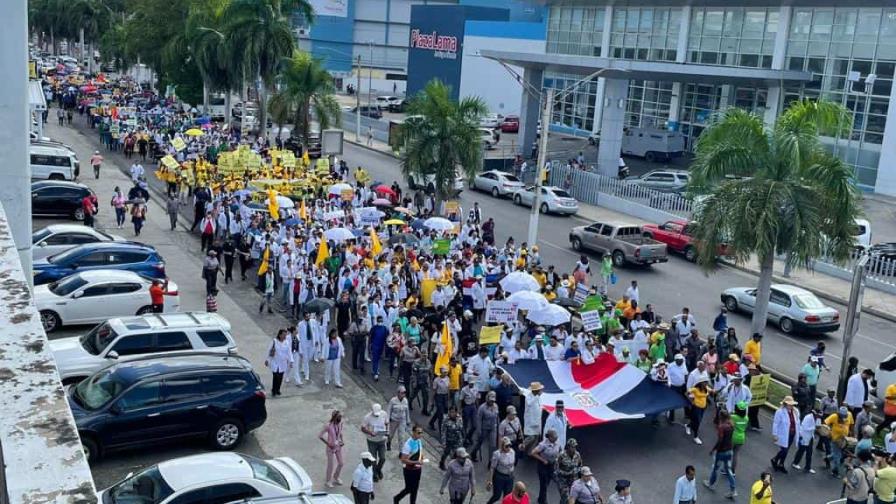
[(444, 139), (786, 195), (260, 34), (305, 87)]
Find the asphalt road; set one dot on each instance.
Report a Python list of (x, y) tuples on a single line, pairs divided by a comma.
[(669, 286)]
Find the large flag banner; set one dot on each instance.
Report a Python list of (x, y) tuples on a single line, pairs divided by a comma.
[(605, 391)]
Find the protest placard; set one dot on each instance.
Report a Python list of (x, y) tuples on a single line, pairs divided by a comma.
[(500, 312), (169, 162), (490, 335), (591, 320), (581, 292), (178, 144), (759, 388)]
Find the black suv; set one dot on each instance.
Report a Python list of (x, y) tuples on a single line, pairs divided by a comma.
[(58, 198), (145, 401)]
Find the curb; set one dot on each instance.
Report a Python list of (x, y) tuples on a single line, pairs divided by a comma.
[(367, 147), (818, 292)]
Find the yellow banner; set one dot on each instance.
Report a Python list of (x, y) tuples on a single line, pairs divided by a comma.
[(759, 388), (169, 162), (427, 286), (490, 335), (178, 144)]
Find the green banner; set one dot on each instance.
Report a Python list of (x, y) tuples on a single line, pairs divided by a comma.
[(441, 246)]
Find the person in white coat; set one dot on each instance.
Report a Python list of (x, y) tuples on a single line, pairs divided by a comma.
[(320, 335), (857, 391), (279, 360), (807, 435), (306, 332), (785, 431), (294, 345), (334, 351), (477, 292), (532, 414), (558, 422)]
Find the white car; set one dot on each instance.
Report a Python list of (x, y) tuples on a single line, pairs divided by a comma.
[(553, 200), (129, 337), (497, 183), (793, 309), (210, 477), (489, 138), (57, 238), (92, 296), (491, 121), (313, 498)]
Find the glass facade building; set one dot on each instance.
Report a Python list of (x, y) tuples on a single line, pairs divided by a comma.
[(849, 51)]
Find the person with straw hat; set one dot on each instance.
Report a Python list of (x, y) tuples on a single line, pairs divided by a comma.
[(459, 477), (532, 413), (785, 431)]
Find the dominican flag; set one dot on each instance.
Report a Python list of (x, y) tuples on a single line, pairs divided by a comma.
[(605, 391)]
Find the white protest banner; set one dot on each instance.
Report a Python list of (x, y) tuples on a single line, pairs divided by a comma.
[(581, 292), (369, 216), (500, 312), (334, 214), (591, 320)]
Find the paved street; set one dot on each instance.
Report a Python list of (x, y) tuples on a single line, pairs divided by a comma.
[(613, 450)]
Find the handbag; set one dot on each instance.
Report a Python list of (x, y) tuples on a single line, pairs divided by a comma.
[(271, 353), (613, 278)]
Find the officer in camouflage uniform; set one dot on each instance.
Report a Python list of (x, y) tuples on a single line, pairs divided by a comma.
[(452, 435), (567, 470)]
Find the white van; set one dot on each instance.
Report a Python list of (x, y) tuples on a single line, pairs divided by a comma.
[(862, 233), (54, 163)]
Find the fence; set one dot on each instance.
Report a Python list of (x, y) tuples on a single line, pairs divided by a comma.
[(619, 195), (880, 272)]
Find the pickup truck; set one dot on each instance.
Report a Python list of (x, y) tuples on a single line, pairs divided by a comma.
[(678, 237), (625, 243)]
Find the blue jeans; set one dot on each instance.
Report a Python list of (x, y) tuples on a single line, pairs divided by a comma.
[(723, 459)]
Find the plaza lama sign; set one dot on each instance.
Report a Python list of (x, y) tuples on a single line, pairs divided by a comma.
[(443, 46)]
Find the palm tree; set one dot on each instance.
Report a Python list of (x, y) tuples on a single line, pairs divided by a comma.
[(305, 87), (778, 192), (444, 139), (261, 36)]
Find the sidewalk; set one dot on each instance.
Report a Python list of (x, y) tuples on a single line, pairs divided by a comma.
[(295, 419)]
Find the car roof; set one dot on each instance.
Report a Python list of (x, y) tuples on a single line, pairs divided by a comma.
[(117, 246), (138, 369), (41, 147), (667, 170), (184, 472), (110, 275), (791, 289), (312, 498), (174, 320), (57, 183), (69, 228)]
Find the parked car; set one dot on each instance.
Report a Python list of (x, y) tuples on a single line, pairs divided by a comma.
[(489, 138), (510, 124), (862, 233), (131, 256), (140, 336), (90, 297), (625, 243), (57, 238), (661, 179), (53, 162), (678, 237), (793, 309), (427, 183), (497, 183), (210, 478), (553, 200), (143, 402), (491, 121), (384, 102), (371, 111), (398, 105), (312, 498), (57, 198)]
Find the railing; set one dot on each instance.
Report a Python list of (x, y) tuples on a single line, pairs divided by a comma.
[(880, 272)]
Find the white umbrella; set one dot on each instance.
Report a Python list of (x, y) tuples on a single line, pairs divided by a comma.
[(550, 315), (282, 202), (338, 188), (528, 300), (520, 281), (339, 234), (438, 224)]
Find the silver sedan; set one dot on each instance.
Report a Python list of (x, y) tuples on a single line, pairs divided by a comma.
[(553, 200), (58, 238), (497, 183), (793, 309)]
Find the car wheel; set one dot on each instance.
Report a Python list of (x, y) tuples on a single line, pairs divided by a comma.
[(50, 320), (78, 214), (650, 157), (90, 448), (144, 310), (690, 253), (731, 304), (544, 208), (618, 258), (227, 434), (786, 325), (495, 192), (576, 244), (517, 200)]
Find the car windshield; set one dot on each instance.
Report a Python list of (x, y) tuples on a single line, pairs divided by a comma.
[(266, 472), (94, 392), (560, 193), (64, 256), (147, 487), (67, 285), (807, 301), (511, 178), (37, 236), (98, 338)]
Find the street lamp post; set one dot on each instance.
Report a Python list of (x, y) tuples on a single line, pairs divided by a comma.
[(851, 324), (358, 104)]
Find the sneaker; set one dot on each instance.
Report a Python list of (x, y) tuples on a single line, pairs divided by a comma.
[(337, 481), (707, 484), (687, 430), (338, 385), (329, 484), (731, 495), (811, 471), (698, 441), (795, 466), (376, 377)]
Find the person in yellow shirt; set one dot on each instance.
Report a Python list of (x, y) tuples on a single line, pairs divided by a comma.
[(885, 480), (549, 293), (697, 394), (840, 424), (761, 491), (455, 372), (889, 407), (753, 347), (623, 304), (540, 276)]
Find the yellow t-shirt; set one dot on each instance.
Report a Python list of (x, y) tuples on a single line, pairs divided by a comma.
[(699, 399), (766, 497), (454, 374), (541, 278), (890, 400), (839, 429), (550, 295), (754, 349), (623, 305), (885, 483)]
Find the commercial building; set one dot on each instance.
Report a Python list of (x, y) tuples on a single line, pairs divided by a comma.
[(673, 63)]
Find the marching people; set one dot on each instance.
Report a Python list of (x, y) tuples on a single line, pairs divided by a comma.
[(363, 478), (567, 469), (785, 431), (585, 490), (459, 477), (502, 463), (546, 453), (374, 426), (279, 360), (412, 458), (331, 436)]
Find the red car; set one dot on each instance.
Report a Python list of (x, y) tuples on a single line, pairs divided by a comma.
[(678, 238), (511, 124)]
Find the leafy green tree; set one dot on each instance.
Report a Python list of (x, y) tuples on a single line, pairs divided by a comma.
[(305, 87), (775, 191), (444, 140)]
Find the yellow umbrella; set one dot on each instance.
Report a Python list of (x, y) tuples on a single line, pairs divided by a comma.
[(395, 222), (194, 132)]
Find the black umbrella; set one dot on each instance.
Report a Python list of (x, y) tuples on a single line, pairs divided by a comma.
[(403, 238), (319, 305), (567, 302)]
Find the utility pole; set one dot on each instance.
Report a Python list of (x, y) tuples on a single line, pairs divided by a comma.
[(358, 104), (851, 325), (370, 74), (546, 105)]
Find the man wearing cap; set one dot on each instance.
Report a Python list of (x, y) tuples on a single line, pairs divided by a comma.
[(840, 424), (460, 477), (863, 419), (398, 412), (678, 373), (569, 463), (452, 435), (363, 478), (546, 453), (812, 370), (585, 490), (480, 366), (737, 392), (557, 421), (486, 426), (622, 493), (532, 413), (374, 426), (785, 431)]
